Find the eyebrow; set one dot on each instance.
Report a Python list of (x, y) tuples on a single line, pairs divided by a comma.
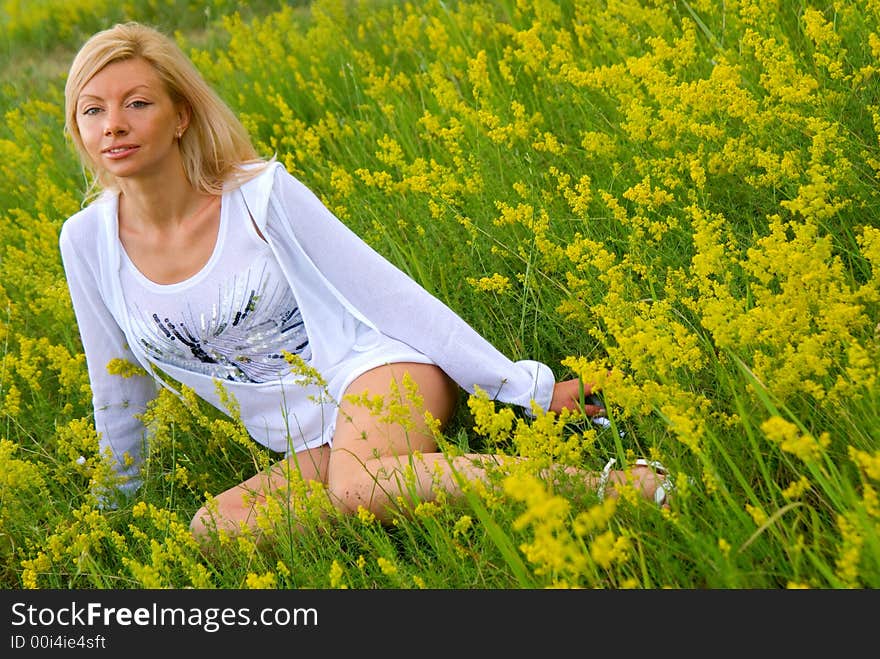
[(128, 92)]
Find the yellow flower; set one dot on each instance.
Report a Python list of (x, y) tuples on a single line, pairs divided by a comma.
[(387, 567), (462, 526), (494, 424), (365, 516), (265, 581), (336, 576), (757, 514), (607, 549), (850, 551), (868, 463), (797, 489), (787, 435), (495, 284)]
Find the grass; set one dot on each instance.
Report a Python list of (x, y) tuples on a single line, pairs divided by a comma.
[(677, 200)]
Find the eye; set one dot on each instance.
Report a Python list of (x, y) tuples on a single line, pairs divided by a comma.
[(91, 111), (139, 104)]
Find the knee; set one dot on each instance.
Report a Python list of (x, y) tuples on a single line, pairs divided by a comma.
[(203, 524), (378, 486), (222, 513), (203, 529), (349, 487), (343, 493)]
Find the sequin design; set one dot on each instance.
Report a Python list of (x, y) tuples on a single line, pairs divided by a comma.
[(238, 336)]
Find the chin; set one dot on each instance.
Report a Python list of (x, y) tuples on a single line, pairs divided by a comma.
[(121, 172)]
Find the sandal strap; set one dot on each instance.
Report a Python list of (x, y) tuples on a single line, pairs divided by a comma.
[(660, 494), (603, 478), (657, 466), (666, 486)]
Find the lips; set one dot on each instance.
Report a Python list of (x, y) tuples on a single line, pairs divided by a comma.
[(119, 151)]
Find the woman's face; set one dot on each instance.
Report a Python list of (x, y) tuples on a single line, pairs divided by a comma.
[(128, 121)]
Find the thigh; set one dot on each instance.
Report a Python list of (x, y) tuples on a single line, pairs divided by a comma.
[(382, 413)]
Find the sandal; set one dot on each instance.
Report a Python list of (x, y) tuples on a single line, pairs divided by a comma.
[(660, 494)]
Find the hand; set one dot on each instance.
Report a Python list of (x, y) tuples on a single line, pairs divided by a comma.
[(567, 395)]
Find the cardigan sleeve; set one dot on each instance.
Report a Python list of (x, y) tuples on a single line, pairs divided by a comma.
[(117, 401), (399, 307)]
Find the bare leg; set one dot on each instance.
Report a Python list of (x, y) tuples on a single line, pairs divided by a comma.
[(380, 458), (377, 458), (241, 504), (375, 462)]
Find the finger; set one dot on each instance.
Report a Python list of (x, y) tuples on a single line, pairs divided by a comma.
[(592, 410)]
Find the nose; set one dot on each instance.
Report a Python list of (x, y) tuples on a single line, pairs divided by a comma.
[(113, 124)]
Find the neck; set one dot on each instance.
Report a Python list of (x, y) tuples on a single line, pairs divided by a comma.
[(160, 204)]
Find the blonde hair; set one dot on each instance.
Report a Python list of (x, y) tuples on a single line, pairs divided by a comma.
[(215, 144)]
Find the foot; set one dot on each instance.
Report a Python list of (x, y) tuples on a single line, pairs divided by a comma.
[(650, 478)]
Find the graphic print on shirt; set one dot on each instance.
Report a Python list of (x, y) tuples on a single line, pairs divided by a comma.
[(238, 336)]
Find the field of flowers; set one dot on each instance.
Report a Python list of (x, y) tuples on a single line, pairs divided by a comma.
[(676, 199)]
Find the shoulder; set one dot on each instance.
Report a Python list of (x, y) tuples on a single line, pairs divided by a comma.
[(85, 225), (251, 175), (270, 181)]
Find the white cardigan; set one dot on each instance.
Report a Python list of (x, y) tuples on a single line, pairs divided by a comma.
[(336, 278)]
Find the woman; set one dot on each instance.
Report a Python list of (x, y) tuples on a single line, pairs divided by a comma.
[(201, 260)]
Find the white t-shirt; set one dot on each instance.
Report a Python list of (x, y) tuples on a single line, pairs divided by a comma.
[(232, 319)]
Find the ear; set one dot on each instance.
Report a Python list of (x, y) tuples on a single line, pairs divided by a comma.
[(184, 113)]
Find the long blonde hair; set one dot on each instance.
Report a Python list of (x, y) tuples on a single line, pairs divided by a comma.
[(215, 144)]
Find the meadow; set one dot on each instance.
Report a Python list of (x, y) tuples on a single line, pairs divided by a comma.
[(677, 200)]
